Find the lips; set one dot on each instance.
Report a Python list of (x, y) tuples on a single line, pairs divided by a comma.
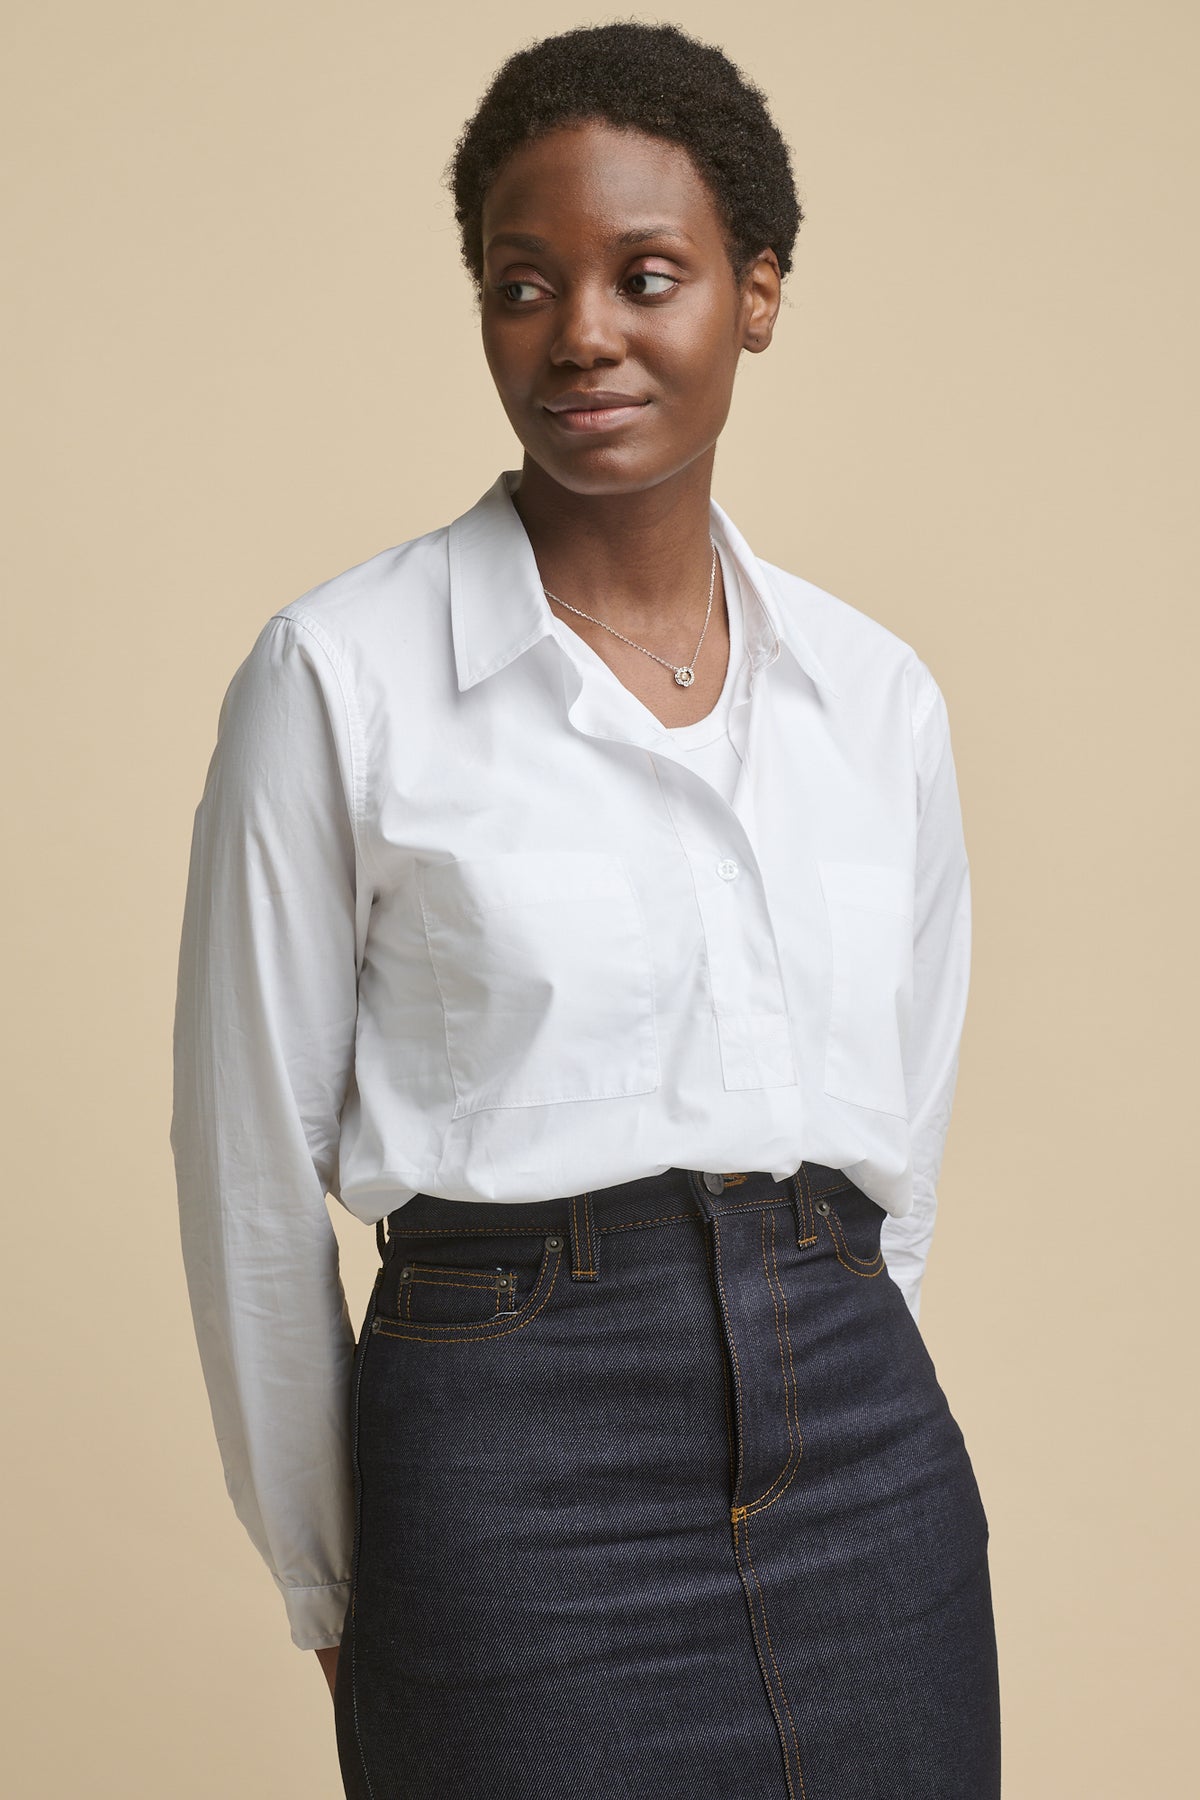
[(595, 400), (583, 412)]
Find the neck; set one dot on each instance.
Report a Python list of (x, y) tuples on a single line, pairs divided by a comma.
[(626, 557)]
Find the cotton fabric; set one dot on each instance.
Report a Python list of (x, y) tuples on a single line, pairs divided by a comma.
[(713, 746), (461, 921)]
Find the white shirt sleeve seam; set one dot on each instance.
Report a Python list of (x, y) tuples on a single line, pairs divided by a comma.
[(933, 692), (353, 733)]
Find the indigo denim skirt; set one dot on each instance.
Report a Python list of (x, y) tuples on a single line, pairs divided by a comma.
[(659, 1498)]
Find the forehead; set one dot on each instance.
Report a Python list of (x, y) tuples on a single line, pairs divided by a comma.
[(593, 178)]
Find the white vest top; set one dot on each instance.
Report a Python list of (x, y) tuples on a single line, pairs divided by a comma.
[(715, 745)]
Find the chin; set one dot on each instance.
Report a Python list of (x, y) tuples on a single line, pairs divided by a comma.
[(605, 469), (599, 482)]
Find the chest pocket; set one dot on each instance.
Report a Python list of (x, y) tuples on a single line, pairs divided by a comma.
[(546, 982), (869, 911)]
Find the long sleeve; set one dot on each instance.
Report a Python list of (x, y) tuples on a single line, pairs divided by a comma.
[(263, 1053), (941, 974)]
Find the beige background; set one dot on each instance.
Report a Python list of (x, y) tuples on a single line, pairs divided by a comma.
[(243, 357)]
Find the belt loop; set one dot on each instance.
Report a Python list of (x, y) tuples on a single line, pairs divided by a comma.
[(584, 1242), (806, 1225), (380, 1239)]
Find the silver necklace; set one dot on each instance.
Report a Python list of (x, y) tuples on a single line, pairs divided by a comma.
[(685, 674)]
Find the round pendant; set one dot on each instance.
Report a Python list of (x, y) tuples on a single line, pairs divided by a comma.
[(684, 677)]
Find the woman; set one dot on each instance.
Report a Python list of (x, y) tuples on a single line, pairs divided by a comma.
[(587, 898)]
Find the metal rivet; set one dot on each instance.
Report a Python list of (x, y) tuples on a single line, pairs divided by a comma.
[(405, 1273), (375, 1324), (554, 1243), (822, 1206)]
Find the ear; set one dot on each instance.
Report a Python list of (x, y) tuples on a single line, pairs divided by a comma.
[(762, 289)]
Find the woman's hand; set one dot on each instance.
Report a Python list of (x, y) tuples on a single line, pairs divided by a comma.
[(328, 1660)]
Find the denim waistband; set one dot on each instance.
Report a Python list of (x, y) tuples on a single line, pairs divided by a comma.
[(648, 1200)]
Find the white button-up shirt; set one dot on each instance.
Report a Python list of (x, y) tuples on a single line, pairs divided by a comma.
[(462, 919)]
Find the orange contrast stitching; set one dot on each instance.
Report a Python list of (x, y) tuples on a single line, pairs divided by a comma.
[(737, 1373), (738, 1516), (793, 1454), (868, 1266), (454, 1231), (733, 1468), (808, 1226), (659, 1219), (791, 1391), (470, 1287), (549, 1276), (779, 1678)]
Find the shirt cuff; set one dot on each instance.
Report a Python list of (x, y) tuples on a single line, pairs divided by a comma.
[(316, 1614)]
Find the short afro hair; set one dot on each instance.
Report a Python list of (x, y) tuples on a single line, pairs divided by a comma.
[(650, 78)]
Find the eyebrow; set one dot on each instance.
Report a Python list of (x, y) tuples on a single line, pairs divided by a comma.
[(625, 240)]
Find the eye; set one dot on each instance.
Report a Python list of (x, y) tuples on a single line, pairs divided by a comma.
[(512, 291), (648, 275)]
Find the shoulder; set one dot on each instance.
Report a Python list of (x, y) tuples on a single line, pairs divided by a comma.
[(863, 657), (350, 612), (327, 652)]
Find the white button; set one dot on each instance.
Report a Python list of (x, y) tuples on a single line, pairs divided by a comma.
[(727, 869)]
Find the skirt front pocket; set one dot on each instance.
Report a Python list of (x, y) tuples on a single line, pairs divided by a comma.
[(447, 1288)]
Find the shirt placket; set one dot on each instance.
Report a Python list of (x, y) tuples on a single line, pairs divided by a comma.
[(745, 974), (744, 966)]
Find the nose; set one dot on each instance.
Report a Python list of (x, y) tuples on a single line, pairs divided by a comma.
[(588, 331)]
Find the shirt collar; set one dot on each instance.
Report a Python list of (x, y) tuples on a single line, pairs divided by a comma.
[(498, 609)]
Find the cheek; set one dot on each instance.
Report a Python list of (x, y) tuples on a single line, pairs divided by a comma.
[(508, 358), (702, 380), (698, 358), (495, 357)]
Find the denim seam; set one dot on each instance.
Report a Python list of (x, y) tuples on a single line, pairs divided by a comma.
[(836, 1187), (593, 1242), (659, 1219), (739, 1518), (467, 1231), (733, 1467), (737, 1374), (770, 1646), (776, 1199), (808, 1224), (582, 1243), (471, 1287), (738, 1514), (788, 1340), (790, 1395), (869, 1267), (483, 1330), (466, 1287)]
